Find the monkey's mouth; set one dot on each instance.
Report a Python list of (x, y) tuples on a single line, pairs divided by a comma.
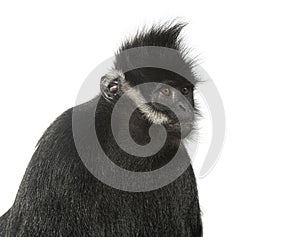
[(183, 128)]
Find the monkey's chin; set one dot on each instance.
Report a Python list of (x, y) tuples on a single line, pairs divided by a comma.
[(186, 130)]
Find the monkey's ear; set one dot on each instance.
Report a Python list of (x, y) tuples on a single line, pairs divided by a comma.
[(110, 84)]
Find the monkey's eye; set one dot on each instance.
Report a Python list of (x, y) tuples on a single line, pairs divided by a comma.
[(166, 91), (185, 90)]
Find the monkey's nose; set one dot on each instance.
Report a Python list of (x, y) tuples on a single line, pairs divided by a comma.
[(184, 107), (185, 112), (181, 107)]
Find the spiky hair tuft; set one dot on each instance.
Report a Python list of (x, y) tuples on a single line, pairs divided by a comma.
[(166, 35)]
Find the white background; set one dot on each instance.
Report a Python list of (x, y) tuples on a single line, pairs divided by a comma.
[(250, 48)]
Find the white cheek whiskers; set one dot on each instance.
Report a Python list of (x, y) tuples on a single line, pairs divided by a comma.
[(153, 116)]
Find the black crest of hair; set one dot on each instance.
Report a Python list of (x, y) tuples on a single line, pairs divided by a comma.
[(164, 35), (58, 195), (148, 47)]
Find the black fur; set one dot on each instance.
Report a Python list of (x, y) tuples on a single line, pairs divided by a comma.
[(58, 196)]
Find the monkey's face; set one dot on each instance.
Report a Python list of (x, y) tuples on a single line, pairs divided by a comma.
[(171, 100), (171, 105), (161, 97), (168, 97)]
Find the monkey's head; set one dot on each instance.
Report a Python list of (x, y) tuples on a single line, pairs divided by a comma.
[(160, 96)]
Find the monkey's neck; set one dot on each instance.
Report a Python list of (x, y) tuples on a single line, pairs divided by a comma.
[(139, 131)]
